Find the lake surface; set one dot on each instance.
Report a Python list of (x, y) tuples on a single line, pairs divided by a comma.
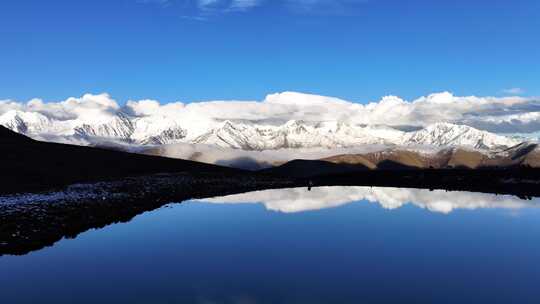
[(327, 245)]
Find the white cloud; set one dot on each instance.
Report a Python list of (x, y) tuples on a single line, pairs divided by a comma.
[(201, 9), (88, 109), (244, 4), (149, 107), (223, 6), (514, 91), (501, 115), (252, 160), (324, 7)]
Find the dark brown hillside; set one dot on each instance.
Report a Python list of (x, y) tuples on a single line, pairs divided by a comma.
[(525, 154), (351, 159), (300, 168), (460, 158)]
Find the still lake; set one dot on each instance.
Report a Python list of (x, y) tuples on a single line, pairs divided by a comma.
[(327, 245)]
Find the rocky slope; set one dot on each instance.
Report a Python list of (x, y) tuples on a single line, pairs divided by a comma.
[(524, 154)]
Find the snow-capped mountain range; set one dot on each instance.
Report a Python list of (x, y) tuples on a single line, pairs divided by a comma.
[(160, 130)]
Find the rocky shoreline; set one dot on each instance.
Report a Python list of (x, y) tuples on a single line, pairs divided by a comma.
[(29, 222)]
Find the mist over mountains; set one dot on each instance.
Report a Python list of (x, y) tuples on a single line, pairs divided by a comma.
[(280, 128), (283, 120)]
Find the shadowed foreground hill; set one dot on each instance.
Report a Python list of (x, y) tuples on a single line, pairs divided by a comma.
[(27, 164), (82, 188)]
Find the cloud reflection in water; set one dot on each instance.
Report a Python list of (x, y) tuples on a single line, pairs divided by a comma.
[(441, 201)]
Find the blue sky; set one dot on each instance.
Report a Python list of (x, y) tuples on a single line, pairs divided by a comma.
[(193, 50)]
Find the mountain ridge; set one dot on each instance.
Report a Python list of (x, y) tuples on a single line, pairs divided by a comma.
[(293, 134), (523, 154)]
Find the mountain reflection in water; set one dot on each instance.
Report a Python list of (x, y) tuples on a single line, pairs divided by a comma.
[(350, 250), (300, 199)]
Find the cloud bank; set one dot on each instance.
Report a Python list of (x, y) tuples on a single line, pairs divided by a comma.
[(496, 114)]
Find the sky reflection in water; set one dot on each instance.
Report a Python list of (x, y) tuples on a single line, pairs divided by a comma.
[(349, 248)]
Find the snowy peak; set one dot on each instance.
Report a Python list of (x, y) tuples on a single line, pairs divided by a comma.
[(157, 130), (120, 127), (294, 126), (24, 122), (298, 134), (168, 136), (160, 130), (13, 122), (446, 134)]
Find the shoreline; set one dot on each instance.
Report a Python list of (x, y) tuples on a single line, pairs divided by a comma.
[(26, 226), (32, 221)]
